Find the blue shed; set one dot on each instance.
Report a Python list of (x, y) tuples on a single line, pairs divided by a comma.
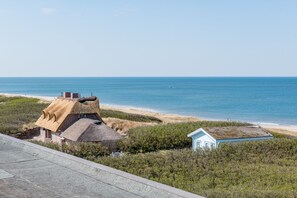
[(212, 137)]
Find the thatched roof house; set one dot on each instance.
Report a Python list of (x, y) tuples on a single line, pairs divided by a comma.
[(56, 117), (88, 130), (70, 118)]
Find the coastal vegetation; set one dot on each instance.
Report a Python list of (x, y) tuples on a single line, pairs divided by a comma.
[(86, 150), (249, 169), (162, 153), (15, 112), (18, 112), (105, 113), (164, 137)]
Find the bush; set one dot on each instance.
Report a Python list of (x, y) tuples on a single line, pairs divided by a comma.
[(17, 111), (280, 135), (161, 137), (47, 144), (90, 151), (128, 116), (248, 169)]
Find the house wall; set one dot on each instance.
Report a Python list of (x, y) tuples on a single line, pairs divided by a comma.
[(42, 134), (242, 140), (56, 138), (201, 140)]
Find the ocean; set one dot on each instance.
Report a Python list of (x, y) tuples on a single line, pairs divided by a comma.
[(259, 99)]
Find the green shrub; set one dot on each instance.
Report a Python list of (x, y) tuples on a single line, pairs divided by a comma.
[(280, 135), (17, 111), (47, 144), (248, 169), (161, 137), (128, 116), (90, 151)]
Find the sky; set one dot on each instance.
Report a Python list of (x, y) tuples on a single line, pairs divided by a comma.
[(148, 38)]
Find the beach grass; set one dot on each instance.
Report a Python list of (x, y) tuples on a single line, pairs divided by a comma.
[(17, 111), (86, 150), (105, 113), (249, 169)]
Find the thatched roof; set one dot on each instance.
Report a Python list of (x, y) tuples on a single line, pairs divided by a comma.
[(56, 113), (88, 130), (237, 132)]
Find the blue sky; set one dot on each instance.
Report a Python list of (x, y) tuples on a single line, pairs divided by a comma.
[(148, 38)]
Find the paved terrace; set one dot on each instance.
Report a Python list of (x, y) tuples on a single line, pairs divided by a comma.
[(29, 170)]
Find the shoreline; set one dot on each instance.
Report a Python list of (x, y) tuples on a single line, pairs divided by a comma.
[(166, 118)]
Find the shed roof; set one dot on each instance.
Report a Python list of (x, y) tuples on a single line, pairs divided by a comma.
[(88, 130), (55, 114), (234, 132)]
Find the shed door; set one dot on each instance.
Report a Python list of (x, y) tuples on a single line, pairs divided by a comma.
[(198, 144)]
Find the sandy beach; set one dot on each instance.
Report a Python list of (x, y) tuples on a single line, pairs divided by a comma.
[(166, 118)]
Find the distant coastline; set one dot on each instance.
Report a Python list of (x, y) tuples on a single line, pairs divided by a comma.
[(269, 100), (286, 129)]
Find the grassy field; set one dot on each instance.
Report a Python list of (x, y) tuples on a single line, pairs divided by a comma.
[(164, 137), (128, 116), (17, 111), (250, 169)]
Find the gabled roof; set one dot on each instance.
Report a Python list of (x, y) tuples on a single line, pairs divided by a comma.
[(198, 131), (88, 130), (233, 132), (55, 114)]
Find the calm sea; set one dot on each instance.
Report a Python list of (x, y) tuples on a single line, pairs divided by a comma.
[(270, 100)]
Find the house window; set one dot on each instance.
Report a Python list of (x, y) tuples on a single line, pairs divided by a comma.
[(198, 143)]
